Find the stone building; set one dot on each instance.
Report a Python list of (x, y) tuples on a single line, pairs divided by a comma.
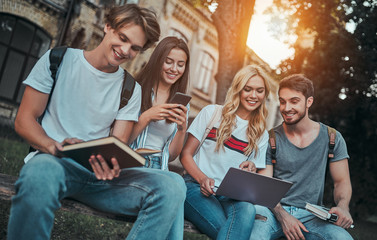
[(28, 28)]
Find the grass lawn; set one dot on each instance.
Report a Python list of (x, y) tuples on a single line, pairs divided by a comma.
[(67, 225), (78, 226)]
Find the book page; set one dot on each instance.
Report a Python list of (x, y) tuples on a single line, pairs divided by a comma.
[(146, 151)]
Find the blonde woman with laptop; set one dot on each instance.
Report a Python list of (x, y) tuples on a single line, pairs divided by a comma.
[(237, 139)]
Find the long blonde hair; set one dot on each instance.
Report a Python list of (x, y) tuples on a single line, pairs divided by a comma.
[(257, 120)]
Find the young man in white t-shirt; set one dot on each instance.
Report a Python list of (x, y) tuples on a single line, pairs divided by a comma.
[(84, 104)]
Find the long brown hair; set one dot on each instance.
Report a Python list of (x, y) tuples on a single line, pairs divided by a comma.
[(151, 74)]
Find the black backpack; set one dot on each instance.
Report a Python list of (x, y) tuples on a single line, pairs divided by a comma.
[(56, 57)]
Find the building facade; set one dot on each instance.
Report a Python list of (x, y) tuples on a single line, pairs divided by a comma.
[(30, 27)]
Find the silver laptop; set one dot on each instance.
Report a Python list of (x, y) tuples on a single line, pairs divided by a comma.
[(254, 188)]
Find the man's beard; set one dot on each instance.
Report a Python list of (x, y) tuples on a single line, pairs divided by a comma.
[(300, 117)]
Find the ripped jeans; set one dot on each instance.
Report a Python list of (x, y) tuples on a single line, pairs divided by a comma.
[(268, 227)]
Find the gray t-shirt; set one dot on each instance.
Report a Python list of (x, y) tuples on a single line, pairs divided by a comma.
[(305, 167)]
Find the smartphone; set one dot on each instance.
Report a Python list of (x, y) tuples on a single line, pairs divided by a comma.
[(180, 98)]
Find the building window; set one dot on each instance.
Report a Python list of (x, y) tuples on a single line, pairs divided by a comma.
[(176, 33), (22, 43), (206, 66)]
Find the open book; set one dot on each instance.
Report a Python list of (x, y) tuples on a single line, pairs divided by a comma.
[(322, 213), (108, 147)]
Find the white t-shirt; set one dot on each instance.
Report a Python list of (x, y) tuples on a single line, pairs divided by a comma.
[(158, 134), (216, 164), (85, 101)]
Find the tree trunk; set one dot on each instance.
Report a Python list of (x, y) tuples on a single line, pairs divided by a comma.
[(232, 20)]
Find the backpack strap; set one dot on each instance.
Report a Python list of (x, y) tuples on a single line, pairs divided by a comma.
[(272, 141), (215, 118), (127, 89), (332, 135), (56, 57)]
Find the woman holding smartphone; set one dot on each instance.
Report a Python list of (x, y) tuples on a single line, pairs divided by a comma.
[(162, 125), (237, 139)]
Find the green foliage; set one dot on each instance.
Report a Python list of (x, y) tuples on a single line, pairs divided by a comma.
[(12, 153), (67, 225), (70, 225), (343, 67), (7, 132)]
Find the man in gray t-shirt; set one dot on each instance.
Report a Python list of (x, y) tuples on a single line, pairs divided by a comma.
[(302, 147)]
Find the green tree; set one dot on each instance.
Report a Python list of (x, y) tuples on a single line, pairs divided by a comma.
[(343, 66)]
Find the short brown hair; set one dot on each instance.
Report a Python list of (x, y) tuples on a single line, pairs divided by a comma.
[(298, 82), (132, 13)]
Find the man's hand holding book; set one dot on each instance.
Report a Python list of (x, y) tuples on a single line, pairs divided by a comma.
[(344, 218), (335, 215)]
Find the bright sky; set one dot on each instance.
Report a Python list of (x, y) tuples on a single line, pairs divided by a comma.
[(267, 47)]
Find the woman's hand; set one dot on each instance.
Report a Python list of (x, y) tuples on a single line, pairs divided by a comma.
[(156, 113), (179, 116), (248, 166), (206, 186), (160, 112)]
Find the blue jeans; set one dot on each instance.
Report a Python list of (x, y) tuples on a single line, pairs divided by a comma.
[(153, 162), (156, 197), (217, 216), (270, 227)]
